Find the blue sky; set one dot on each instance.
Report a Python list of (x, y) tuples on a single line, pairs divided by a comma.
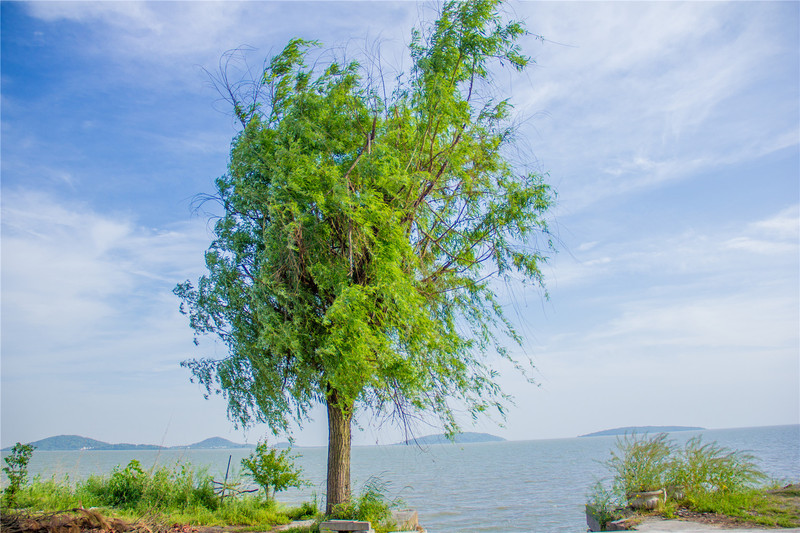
[(671, 132)]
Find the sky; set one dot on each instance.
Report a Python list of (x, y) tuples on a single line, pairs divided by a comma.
[(670, 131)]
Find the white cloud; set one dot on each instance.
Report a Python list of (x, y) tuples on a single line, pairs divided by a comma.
[(784, 225), (759, 247), (779, 234), (735, 322), (653, 93), (713, 255), (90, 323), (179, 36), (98, 282)]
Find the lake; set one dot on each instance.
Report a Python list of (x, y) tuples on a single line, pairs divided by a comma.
[(539, 485)]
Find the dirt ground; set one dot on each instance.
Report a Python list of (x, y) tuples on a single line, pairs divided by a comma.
[(91, 521)]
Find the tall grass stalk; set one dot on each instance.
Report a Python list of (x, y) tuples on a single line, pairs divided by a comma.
[(701, 468), (705, 477), (180, 494), (640, 463)]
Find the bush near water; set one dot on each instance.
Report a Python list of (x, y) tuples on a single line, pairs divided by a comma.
[(131, 499), (697, 478), (181, 494)]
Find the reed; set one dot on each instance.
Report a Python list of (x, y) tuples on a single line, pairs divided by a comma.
[(180, 494)]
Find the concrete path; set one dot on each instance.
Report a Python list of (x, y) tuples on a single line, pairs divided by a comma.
[(656, 525)]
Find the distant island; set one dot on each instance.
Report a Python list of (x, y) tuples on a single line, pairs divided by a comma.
[(461, 438), (76, 442), (641, 429), (214, 443)]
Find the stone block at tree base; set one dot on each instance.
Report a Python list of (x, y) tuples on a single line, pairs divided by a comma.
[(355, 526), (406, 519)]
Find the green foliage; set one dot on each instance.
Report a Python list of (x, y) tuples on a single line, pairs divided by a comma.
[(704, 477), (361, 232), (126, 487), (371, 505), (177, 495), (133, 488), (701, 468), (306, 511), (17, 471), (272, 469), (751, 505), (640, 463), (51, 494), (602, 504)]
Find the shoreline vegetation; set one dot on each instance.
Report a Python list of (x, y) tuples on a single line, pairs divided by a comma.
[(147, 502), (177, 499), (698, 481), (701, 482)]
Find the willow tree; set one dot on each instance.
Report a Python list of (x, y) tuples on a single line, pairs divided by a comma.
[(354, 262)]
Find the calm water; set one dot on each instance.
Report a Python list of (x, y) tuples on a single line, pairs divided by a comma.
[(537, 485)]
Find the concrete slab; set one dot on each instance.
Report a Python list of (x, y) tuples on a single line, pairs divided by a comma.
[(296, 523), (656, 525), (332, 526), (406, 519)]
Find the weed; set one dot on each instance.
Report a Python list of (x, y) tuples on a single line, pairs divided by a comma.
[(703, 477), (306, 511), (17, 471), (166, 495), (371, 506), (272, 469), (640, 463), (602, 505), (126, 487), (701, 468)]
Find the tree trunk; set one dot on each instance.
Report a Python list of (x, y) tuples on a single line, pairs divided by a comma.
[(339, 417)]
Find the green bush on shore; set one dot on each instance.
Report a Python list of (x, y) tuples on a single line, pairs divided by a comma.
[(651, 463), (372, 505), (702, 477), (180, 494)]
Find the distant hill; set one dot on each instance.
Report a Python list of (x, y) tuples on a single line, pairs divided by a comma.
[(641, 429), (461, 438), (76, 442), (215, 443)]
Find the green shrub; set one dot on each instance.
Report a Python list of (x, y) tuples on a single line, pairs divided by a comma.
[(126, 487), (371, 506), (700, 468), (272, 469), (247, 511), (51, 494), (17, 471), (706, 477), (178, 488), (170, 495), (602, 504), (640, 463), (306, 511)]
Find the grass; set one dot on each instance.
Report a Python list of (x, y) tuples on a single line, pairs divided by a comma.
[(698, 478), (164, 496), (183, 495), (758, 506), (371, 506)]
